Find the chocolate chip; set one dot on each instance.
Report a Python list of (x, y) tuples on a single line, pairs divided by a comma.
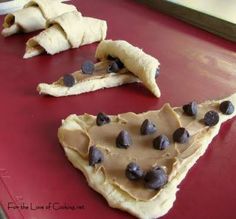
[(133, 171), (155, 178), (11, 21), (181, 135), (211, 118), (102, 119), (87, 67), (157, 72), (68, 80), (113, 67), (119, 63), (227, 107), (147, 127), (109, 57), (123, 140), (190, 109), (95, 156), (161, 142)]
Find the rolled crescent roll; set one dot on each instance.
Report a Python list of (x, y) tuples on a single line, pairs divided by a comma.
[(111, 71), (69, 30), (144, 66), (34, 16)]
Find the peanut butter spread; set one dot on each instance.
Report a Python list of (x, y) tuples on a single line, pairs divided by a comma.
[(167, 120), (100, 71)]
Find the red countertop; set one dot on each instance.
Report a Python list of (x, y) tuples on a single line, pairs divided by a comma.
[(33, 168)]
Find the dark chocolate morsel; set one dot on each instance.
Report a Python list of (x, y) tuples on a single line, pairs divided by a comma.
[(147, 127), (157, 72), (227, 107), (11, 21), (181, 135), (133, 171), (119, 63), (190, 109), (155, 178), (123, 140), (161, 142), (87, 67), (113, 67), (68, 80), (211, 118), (95, 156), (102, 119), (111, 58)]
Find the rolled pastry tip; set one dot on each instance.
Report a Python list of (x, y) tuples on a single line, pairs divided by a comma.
[(69, 30), (144, 66), (34, 16)]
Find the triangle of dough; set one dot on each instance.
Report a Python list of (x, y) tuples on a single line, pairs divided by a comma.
[(76, 134)]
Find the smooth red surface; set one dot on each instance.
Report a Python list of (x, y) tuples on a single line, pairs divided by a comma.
[(33, 168)]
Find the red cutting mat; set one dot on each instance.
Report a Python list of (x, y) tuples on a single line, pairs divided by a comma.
[(33, 169)]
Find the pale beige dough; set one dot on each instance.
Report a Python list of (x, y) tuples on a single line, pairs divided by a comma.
[(69, 30), (162, 203), (135, 60), (34, 16)]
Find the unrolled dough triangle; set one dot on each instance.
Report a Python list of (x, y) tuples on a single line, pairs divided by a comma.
[(78, 133)]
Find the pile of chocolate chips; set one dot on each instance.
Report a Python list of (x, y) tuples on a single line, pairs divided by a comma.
[(155, 178)]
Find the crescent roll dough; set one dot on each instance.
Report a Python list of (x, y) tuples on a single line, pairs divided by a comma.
[(77, 133), (34, 16), (135, 60), (69, 30), (100, 78)]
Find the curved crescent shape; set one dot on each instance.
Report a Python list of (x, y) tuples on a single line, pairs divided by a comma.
[(135, 60)]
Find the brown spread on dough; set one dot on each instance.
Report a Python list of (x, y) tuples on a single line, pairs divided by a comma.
[(167, 120), (100, 71)]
